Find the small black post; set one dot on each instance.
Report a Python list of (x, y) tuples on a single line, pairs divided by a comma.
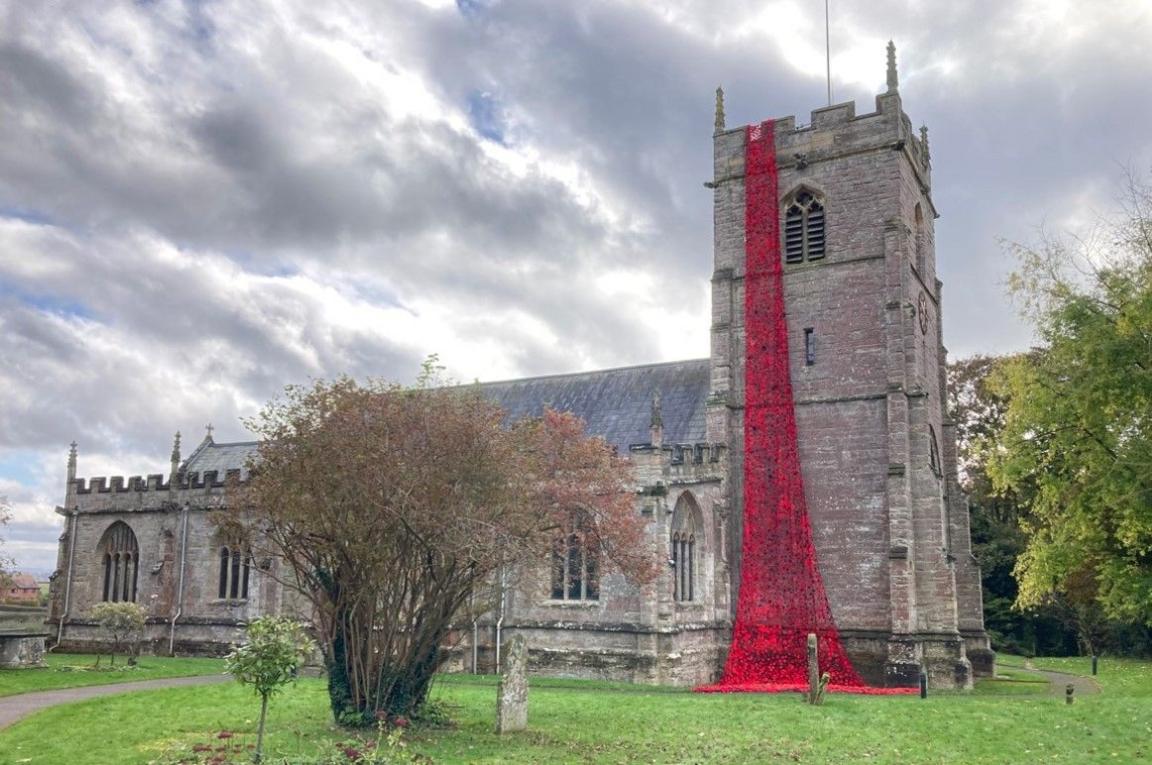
[(1094, 658), (923, 684), (1068, 689)]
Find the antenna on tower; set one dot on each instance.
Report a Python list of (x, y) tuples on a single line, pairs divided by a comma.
[(828, 51)]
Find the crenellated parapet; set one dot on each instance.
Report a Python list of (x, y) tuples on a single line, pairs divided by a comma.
[(832, 132), (678, 463), (209, 479)]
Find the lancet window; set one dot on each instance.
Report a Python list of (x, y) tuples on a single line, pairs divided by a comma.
[(576, 560), (687, 529), (235, 569)]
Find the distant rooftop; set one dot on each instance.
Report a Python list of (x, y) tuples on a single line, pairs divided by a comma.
[(615, 404)]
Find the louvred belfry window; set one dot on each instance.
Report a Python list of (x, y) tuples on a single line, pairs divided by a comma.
[(804, 229)]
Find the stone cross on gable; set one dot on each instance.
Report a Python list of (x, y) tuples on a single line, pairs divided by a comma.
[(209, 430)]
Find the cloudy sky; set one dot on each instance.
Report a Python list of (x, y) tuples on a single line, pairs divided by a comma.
[(202, 201)]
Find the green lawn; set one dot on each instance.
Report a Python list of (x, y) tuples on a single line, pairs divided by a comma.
[(73, 671), (580, 722)]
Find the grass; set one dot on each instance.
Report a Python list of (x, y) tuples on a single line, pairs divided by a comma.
[(586, 722), (75, 670)]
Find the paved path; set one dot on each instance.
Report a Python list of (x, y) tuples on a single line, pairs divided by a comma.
[(1058, 681), (13, 708)]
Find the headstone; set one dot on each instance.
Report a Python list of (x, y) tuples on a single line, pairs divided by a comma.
[(512, 695)]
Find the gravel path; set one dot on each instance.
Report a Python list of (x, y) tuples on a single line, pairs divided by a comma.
[(14, 708)]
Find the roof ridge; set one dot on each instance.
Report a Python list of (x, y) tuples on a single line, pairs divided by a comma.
[(588, 372), (195, 453)]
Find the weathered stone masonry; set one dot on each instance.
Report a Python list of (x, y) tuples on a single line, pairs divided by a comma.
[(878, 457)]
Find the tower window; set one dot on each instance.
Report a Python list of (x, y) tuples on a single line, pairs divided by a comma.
[(809, 346), (804, 229)]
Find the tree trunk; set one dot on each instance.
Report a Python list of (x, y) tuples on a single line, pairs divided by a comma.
[(260, 729), (344, 707)]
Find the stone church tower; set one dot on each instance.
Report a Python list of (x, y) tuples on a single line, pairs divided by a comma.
[(877, 452)]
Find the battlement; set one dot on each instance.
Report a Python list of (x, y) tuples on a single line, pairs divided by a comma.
[(683, 454), (209, 479), (833, 131)]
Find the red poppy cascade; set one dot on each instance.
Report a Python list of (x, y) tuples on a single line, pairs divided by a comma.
[(782, 597)]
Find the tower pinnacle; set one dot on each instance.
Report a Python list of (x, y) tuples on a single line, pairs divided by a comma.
[(175, 454), (719, 109), (893, 79), (72, 462), (656, 424)]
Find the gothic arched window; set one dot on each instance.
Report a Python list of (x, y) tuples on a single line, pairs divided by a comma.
[(235, 568), (576, 560), (803, 228), (687, 527), (121, 558)]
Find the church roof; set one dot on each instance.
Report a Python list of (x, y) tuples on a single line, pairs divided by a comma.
[(220, 457), (615, 404)]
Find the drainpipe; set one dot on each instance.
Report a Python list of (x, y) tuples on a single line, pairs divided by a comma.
[(74, 521), (180, 586), (500, 621)]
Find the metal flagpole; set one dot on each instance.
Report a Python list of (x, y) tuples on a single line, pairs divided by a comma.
[(828, 50)]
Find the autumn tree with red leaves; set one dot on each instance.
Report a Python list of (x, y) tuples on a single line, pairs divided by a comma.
[(397, 508)]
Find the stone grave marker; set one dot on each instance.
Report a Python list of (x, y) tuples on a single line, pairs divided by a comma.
[(512, 694)]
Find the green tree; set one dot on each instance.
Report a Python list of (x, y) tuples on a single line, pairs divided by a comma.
[(123, 623), (997, 517), (1078, 428), (396, 508), (270, 659)]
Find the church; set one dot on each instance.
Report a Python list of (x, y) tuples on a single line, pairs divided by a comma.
[(851, 229)]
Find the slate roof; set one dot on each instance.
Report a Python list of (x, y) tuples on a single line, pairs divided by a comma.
[(615, 404), (219, 457)]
